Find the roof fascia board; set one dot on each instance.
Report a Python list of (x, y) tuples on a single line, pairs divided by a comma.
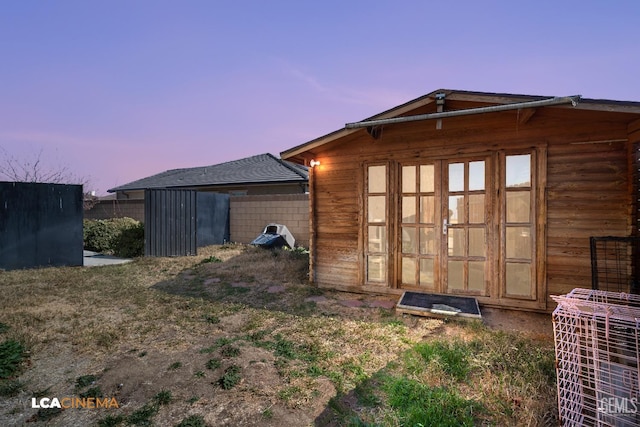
[(308, 146), (585, 103), (610, 106)]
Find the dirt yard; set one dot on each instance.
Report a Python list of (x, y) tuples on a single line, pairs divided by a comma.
[(236, 336)]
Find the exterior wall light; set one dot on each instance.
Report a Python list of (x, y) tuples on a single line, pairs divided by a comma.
[(313, 163)]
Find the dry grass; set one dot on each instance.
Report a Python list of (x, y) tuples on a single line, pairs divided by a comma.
[(295, 361)]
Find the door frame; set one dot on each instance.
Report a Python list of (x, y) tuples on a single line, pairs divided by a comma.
[(495, 293), (441, 193)]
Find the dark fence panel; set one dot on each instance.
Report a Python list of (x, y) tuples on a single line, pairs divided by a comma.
[(213, 219), (40, 225), (170, 223)]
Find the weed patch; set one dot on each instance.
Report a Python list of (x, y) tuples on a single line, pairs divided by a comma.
[(85, 380), (210, 259), (213, 364), (143, 416), (45, 414), (288, 393), (231, 377), (12, 354), (92, 392), (163, 397), (111, 421), (192, 421), (174, 366), (9, 388), (210, 318), (229, 351)]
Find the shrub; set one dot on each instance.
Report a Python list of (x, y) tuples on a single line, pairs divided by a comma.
[(130, 242), (118, 236)]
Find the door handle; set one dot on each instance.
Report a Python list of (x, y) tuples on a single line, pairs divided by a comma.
[(445, 226)]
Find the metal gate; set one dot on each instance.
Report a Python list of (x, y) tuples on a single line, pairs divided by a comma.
[(212, 215), (40, 225), (177, 222)]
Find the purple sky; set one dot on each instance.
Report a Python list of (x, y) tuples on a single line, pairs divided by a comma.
[(119, 90)]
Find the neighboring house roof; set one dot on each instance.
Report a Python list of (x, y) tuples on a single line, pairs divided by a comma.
[(460, 95), (260, 169)]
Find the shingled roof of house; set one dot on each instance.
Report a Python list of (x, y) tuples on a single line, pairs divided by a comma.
[(259, 169)]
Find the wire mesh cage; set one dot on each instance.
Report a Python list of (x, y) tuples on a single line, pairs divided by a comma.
[(615, 262), (596, 337)]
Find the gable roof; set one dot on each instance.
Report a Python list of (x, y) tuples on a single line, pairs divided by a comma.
[(459, 95), (260, 169)]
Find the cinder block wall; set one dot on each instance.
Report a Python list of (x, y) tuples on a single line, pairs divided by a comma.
[(106, 209), (249, 215)]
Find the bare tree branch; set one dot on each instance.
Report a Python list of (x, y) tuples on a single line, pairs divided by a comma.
[(36, 169)]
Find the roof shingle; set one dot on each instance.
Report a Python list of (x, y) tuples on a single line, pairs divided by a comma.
[(262, 168)]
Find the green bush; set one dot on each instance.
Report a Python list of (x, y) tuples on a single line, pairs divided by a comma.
[(118, 236), (130, 242)]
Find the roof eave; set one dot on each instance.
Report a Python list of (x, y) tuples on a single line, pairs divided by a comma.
[(340, 133), (483, 97), (227, 184)]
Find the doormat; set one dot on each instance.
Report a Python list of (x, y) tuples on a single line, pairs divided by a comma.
[(434, 305)]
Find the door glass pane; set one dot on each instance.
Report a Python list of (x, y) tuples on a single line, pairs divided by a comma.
[(376, 208), (409, 210), (376, 267), (427, 209), (456, 177), (377, 179), (426, 179), (476, 176), (518, 279), (456, 209), (455, 274), (426, 272), (377, 238), (409, 271), (519, 242), (518, 206), (427, 241), (477, 246), (476, 275), (456, 242), (519, 171), (408, 179), (409, 240), (476, 209)]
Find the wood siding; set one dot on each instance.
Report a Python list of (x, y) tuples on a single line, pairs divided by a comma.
[(586, 187)]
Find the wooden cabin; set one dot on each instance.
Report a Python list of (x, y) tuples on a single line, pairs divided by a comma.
[(477, 194)]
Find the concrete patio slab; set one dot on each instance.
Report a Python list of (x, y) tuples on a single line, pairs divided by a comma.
[(95, 259)]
